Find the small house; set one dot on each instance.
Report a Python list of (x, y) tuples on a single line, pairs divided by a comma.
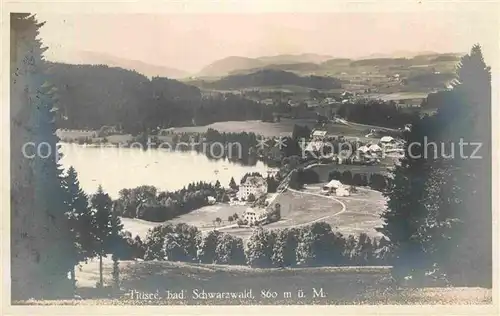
[(332, 186), (387, 140), (375, 148), (342, 191), (255, 216), (211, 200), (363, 149), (318, 134)]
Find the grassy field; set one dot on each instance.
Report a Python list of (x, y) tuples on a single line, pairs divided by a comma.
[(347, 215), (362, 213), (324, 169), (399, 96), (282, 128), (339, 285), (203, 217)]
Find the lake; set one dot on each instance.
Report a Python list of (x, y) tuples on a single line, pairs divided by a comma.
[(117, 168)]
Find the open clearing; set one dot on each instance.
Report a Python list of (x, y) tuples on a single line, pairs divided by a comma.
[(359, 213), (282, 128), (340, 285), (362, 213)]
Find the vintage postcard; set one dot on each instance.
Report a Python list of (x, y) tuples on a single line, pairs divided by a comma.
[(320, 157)]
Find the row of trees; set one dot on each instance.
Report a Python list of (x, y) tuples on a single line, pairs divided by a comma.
[(376, 181), (94, 225), (314, 245), (376, 112), (145, 202)]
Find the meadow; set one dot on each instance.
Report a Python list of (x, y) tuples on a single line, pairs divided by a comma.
[(339, 286), (356, 214)]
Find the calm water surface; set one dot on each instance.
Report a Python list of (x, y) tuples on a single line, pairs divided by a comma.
[(117, 168)]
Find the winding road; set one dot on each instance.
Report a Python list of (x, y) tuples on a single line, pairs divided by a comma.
[(343, 210)]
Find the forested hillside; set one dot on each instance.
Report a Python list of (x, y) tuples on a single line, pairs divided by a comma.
[(93, 96), (271, 77)]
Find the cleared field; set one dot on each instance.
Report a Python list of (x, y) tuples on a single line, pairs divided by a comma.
[(347, 215), (282, 128), (324, 169), (137, 226), (204, 217), (340, 285), (399, 96), (362, 213)]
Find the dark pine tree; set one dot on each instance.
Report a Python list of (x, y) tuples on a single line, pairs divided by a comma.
[(232, 184), (460, 217), (102, 206), (41, 238), (80, 219), (404, 214), (114, 244)]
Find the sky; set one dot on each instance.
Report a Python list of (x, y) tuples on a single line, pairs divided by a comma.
[(189, 41)]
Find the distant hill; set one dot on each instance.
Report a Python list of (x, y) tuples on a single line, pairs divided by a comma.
[(298, 67), (269, 77), (336, 62), (149, 70), (399, 54), (235, 64), (294, 59), (92, 96), (225, 66), (305, 64)]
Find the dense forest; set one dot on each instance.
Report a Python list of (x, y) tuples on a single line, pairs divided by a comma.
[(93, 96), (271, 77), (377, 112)]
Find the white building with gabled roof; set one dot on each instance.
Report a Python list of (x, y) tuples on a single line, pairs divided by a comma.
[(255, 215), (375, 148), (387, 139), (254, 185), (318, 134)]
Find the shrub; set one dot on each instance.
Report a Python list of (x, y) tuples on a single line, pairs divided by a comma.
[(188, 238), (173, 248), (319, 246), (242, 222), (378, 182), (285, 247), (229, 250), (155, 240), (207, 247), (251, 198), (346, 177), (130, 248), (260, 248), (275, 214), (335, 175)]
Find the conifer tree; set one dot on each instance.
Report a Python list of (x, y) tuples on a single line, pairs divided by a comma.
[(115, 243), (80, 219), (405, 214), (232, 184), (102, 209), (444, 222), (40, 232), (459, 224)]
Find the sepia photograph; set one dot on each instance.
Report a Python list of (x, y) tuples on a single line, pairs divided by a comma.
[(208, 157)]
